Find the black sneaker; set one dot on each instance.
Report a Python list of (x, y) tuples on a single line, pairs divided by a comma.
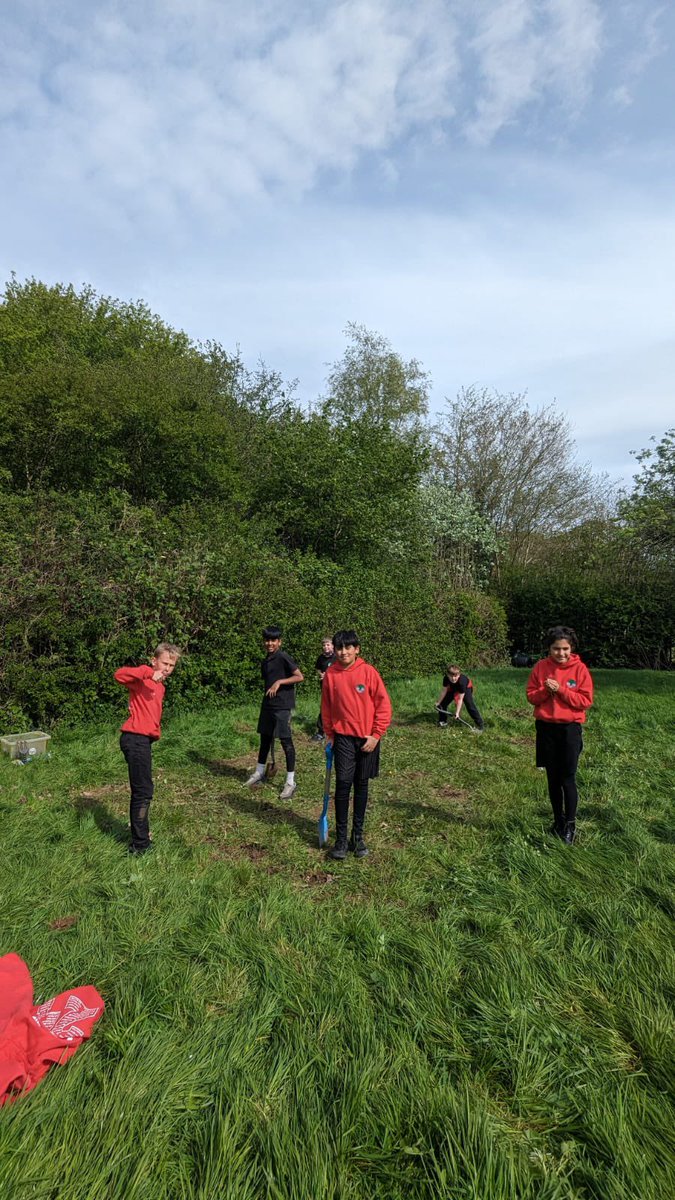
[(138, 851), (358, 847), (339, 850)]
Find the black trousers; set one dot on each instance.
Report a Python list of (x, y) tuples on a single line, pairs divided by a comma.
[(559, 745), (469, 704), (352, 767), (137, 749)]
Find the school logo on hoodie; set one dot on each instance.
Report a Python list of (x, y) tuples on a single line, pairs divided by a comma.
[(360, 687), (571, 683)]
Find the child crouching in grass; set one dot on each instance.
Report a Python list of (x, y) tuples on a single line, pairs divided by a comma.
[(561, 690), (356, 713), (140, 730)]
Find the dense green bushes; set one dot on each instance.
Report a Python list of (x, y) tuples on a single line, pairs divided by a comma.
[(620, 623), (89, 582)]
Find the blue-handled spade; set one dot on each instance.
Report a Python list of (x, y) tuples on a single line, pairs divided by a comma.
[(323, 819)]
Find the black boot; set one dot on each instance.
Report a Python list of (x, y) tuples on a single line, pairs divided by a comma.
[(568, 836), (339, 850), (558, 829), (356, 843)]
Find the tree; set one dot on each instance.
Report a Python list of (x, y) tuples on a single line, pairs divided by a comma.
[(649, 512), (96, 393), (517, 466), (462, 543), (341, 481)]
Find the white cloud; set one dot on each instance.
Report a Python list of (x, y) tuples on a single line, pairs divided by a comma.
[(160, 104), (528, 49)]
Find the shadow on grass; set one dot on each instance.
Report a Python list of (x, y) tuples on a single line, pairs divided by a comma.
[(662, 831), (463, 812), (219, 766), (605, 817), (273, 814), (103, 818)]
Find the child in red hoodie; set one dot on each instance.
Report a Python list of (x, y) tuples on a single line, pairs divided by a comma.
[(140, 730), (356, 712), (561, 690)]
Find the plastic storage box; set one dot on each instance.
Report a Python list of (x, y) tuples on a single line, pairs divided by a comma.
[(25, 745)]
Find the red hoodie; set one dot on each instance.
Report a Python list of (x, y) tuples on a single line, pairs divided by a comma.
[(145, 700), (572, 699), (354, 700), (33, 1037)]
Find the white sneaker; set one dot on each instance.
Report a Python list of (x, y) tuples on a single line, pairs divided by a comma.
[(288, 791), (255, 780)]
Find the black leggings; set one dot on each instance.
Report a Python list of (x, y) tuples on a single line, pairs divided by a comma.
[(287, 746), (563, 794), (342, 790), (559, 745)]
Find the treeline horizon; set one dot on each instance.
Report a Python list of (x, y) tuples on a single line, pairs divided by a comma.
[(153, 488)]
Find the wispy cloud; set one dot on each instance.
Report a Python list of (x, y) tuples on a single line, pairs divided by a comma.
[(160, 104), (527, 51)]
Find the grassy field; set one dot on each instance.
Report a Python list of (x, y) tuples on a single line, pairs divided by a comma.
[(475, 1011)]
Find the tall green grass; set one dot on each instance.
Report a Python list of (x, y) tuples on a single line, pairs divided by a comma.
[(474, 1012)]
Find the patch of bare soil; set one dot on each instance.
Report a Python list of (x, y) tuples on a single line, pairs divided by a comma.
[(317, 878), (63, 923), (106, 791), (452, 793)]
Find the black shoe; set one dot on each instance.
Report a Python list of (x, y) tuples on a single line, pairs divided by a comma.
[(137, 851), (358, 846), (568, 836), (558, 830), (339, 850), (319, 737)]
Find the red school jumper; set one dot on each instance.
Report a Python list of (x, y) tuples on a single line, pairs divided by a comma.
[(572, 699), (145, 700), (354, 701), (33, 1037)]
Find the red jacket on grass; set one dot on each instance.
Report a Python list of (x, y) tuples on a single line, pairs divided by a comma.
[(573, 697), (354, 701), (34, 1037), (145, 700)]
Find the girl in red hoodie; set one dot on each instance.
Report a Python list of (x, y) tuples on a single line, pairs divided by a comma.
[(561, 689), (356, 712)]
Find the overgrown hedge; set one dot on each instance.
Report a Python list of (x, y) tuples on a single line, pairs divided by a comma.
[(89, 582), (627, 622)]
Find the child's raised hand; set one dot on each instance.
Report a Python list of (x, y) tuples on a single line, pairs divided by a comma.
[(552, 685), (158, 676)]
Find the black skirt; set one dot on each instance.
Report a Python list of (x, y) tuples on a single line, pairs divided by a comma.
[(351, 764), (558, 745)]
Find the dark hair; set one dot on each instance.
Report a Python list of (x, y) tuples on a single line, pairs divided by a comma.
[(271, 632), (561, 632), (346, 637)]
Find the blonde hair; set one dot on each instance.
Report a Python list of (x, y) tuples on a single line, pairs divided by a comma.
[(452, 669), (168, 648)]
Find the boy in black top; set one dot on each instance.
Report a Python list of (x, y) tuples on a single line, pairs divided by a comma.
[(459, 688), (322, 664), (280, 675)]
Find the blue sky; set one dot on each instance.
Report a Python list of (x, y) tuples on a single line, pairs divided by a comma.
[(490, 185)]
